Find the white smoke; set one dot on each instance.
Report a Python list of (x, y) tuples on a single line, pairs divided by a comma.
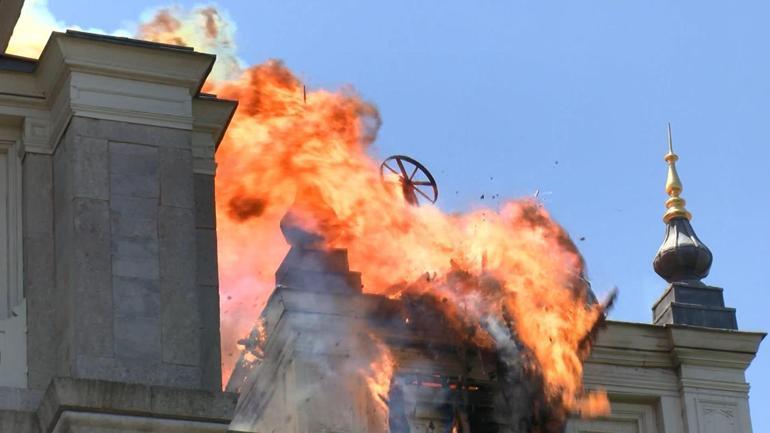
[(195, 26), (35, 26)]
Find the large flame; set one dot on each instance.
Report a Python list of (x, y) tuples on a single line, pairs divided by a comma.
[(511, 273), (282, 144), (378, 378)]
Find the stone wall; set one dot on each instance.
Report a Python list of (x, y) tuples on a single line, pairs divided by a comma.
[(122, 258)]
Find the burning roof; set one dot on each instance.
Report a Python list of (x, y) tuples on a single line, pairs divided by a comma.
[(506, 277)]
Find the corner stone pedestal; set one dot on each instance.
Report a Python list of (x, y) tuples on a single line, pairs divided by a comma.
[(87, 406), (694, 305)]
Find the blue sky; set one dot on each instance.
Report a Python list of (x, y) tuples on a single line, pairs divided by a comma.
[(569, 98)]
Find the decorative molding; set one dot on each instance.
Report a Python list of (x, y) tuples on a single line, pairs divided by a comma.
[(11, 257), (36, 135), (625, 417), (636, 381), (140, 402), (132, 101), (76, 421), (13, 306), (715, 339), (120, 58), (210, 120), (718, 416), (115, 79)]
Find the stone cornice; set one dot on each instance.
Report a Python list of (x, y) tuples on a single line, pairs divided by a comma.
[(714, 339), (645, 345), (117, 79), (117, 398), (121, 58), (211, 117)]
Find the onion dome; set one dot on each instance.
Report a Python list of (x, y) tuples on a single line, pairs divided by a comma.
[(682, 257)]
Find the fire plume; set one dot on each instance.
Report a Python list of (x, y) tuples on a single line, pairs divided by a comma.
[(514, 267), (511, 275), (378, 379)]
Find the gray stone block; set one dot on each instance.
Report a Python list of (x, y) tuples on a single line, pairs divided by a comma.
[(176, 230), (698, 315), (179, 300), (134, 248), (131, 399), (205, 214), (134, 170), (130, 371), (137, 338), (37, 199), (124, 206), (176, 177), (209, 405), (39, 267), (19, 399), (211, 358), (134, 217), (136, 297), (181, 325), (206, 271), (695, 305), (90, 168), (91, 277), (38, 263), (146, 267), (132, 133), (18, 422)]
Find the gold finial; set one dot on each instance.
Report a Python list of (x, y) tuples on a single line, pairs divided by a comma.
[(675, 204)]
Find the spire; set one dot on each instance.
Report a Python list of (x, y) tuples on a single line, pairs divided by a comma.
[(682, 257), (675, 203), (683, 260)]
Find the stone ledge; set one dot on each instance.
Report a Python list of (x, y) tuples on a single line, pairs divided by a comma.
[(85, 422), (115, 398), (18, 422), (19, 399)]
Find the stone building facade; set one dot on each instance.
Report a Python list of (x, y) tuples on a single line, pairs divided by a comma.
[(109, 304), (109, 310)]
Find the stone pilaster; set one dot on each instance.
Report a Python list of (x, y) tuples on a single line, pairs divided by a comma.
[(712, 382), (127, 255)]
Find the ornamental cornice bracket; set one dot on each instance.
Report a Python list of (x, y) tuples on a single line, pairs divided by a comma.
[(36, 135)]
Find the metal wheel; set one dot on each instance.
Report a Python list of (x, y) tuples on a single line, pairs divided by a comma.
[(416, 181)]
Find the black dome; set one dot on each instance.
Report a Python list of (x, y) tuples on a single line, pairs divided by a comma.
[(682, 257)]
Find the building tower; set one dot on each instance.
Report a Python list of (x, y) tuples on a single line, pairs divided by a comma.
[(683, 260), (109, 301)]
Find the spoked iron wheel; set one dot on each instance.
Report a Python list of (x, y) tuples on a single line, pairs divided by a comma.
[(416, 181)]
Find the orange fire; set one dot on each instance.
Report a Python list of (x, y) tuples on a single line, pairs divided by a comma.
[(378, 378), (511, 273), (518, 268), (516, 261)]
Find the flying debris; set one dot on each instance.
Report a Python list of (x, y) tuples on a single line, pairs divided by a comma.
[(415, 179)]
